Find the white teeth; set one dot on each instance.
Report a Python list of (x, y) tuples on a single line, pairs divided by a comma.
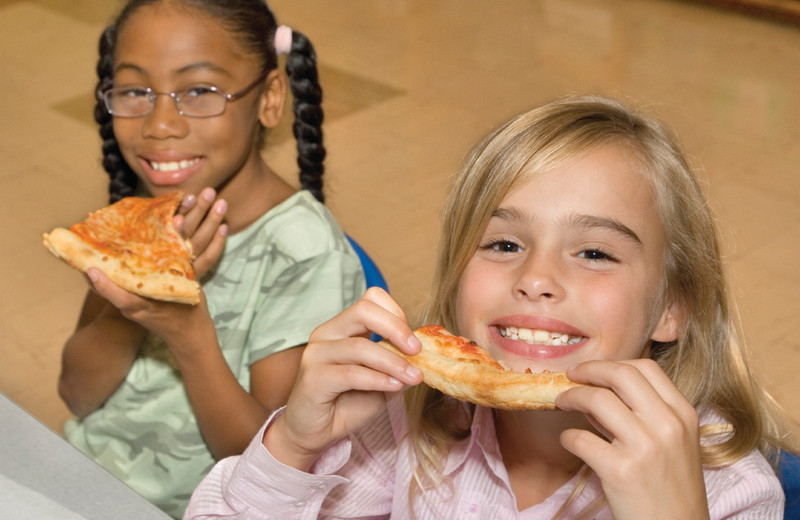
[(541, 337), (172, 165)]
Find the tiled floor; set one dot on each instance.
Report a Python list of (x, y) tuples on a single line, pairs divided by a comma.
[(410, 85)]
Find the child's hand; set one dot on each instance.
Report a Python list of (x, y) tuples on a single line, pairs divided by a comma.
[(649, 462), (200, 220), (173, 322), (342, 379)]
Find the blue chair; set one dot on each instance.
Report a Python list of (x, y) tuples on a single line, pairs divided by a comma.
[(371, 272), (789, 475)]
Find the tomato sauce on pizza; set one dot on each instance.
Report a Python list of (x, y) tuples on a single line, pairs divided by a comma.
[(135, 243)]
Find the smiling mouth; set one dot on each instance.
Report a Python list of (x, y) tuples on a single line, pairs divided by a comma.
[(538, 336), (172, 166)]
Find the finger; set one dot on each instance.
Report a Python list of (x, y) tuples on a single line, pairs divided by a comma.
[(387, 367), (641, 384), (655, 407), (382, 298), (194, 215), (607, 412), (624, 379), (187, 203), (105, 287), (375, 312), (590, 448), (331, 380), (663, 385), (208, 228), (212, 252)]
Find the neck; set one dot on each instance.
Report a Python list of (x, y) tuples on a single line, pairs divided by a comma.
[(251, 193), (536, 463)]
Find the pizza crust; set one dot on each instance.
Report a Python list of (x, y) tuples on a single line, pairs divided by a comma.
[(66, 245), (474, 376)]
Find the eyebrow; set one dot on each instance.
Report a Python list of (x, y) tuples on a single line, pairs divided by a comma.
[(582, 221), (592, 222), (200, 65)]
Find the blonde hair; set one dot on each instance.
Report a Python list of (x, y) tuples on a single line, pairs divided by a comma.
[(707, 362)]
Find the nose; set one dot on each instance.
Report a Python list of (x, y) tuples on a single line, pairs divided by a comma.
[(539, 277), (164, 121)]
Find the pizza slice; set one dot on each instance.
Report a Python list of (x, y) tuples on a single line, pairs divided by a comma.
[(462, 369), (135, 243)]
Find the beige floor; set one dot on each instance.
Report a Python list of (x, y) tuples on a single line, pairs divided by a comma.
[(410, 84)]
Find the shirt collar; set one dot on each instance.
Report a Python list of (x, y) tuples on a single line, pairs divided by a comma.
[(482, 440)]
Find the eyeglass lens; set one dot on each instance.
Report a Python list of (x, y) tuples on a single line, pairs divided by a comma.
[(194, 102)]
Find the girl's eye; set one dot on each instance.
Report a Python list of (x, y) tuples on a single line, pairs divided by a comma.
[(199, 91), (502, 246), (596, 255), (132, 92)]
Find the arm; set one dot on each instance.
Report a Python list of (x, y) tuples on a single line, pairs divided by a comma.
[(99, 354), (97, 357), (356, 374), (114, 323)]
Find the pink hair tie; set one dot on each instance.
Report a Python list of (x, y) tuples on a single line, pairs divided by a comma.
[(283, 39)]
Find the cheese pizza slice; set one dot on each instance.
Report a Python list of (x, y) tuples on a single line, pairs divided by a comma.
[(462, 369), (135, 243)]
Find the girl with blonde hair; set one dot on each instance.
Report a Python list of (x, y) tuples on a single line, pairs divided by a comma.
[(579, 221)]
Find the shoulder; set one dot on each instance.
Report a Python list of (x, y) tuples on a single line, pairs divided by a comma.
[(747, 488), (300, 227)]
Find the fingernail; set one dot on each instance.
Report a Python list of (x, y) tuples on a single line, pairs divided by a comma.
[(222, 207), (395, 382), (413, 372), (92, 274), (223, 230), (208, 194), (188, 201), (414, 342)]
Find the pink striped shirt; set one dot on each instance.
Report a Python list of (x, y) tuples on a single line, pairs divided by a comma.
[(367, 476)]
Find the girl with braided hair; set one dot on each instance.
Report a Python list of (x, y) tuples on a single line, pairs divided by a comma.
[(187, 91)]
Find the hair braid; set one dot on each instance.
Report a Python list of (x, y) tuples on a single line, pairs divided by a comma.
[(251, 22), (122, 180), (301, 67)]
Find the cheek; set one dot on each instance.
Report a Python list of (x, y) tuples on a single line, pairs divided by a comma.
[(621, 315), (125, 130), (477, 291)]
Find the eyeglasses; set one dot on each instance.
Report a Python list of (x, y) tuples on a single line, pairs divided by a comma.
[(195, 101)]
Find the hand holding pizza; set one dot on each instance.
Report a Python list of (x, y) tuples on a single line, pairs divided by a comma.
[(136, 258), (200, 220), (649, 459), (342, 379), (174, 323)]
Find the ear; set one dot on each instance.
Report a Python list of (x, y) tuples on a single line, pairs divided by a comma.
[(270, 107), (669, 324)]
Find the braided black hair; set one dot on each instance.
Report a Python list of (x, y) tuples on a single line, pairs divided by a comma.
[(254, 26)]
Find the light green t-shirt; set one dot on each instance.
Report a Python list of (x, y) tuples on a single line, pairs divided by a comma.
[(288, 272)]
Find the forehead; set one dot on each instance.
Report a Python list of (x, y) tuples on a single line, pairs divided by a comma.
[(165, 37), (606, 181)]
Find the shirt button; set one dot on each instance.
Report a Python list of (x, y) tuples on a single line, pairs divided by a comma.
[(319, 485), (300, 503)]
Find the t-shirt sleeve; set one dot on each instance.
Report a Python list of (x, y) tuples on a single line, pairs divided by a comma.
[(313, 274)]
